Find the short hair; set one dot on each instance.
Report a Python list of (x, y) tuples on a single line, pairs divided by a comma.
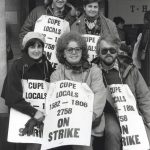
[(147, 16), (48, 2), (86, 2), (110, 39), (63, 42), (118, 20)]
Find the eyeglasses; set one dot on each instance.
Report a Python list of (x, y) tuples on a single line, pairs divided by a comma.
[(71, 49), (104, 51)]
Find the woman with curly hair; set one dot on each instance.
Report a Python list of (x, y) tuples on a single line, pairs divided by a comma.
[(72, 55)]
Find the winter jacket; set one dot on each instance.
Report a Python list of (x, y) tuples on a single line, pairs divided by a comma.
[(24, 68), (93, 78), (132, 77), (36, 13), (107, 26)]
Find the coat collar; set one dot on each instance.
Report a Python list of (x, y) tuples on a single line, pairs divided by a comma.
[(125, 64), (29, 62)]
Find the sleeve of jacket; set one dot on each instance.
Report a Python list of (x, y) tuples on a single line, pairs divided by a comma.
[(55, 76), (12, 93), (28, 24), (142, 95), (99, 91), (114, 30), (71, 16)]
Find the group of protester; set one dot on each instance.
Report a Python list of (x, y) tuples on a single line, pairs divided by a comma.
[(71, 51)]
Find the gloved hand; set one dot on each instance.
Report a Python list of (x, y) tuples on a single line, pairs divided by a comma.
[(29, 126)]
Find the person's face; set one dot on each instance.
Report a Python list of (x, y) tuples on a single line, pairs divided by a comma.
[(92, 9), (108, 52), (73, 53), (35, 51), (59, 3)]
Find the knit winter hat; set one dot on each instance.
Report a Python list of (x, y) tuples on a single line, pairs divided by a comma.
[(32, 35)]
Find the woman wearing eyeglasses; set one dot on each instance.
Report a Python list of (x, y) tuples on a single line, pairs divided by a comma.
[(72, 55)]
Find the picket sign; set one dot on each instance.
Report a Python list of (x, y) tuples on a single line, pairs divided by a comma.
[(69, 109), (52, 28), (134, 136), (91, 45), (34, 92)]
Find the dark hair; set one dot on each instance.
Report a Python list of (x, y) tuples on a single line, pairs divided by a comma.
[(31, 42), (110, 39), (86, 2), (118, 20), (63, 42), (147, 16), (49, 2)]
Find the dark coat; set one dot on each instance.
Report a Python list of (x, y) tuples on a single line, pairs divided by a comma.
[(144, 47), (24, 68)]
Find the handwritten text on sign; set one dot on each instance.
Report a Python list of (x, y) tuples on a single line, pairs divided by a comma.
[(52, 28), (91, 45), (34, 92), (69, 114), (17, 121), (133, 131)]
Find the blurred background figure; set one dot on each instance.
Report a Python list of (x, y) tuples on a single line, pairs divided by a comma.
[(144, 49), (125, 42)]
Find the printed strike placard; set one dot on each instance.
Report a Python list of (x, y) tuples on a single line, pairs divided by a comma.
[(134, 135), (91, 45), (52, 28), (69, 114), (34, 92)]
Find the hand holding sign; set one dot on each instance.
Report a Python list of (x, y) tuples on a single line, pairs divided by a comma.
[(39, 116)]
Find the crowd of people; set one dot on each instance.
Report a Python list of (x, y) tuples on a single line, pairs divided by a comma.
[(109, 67)]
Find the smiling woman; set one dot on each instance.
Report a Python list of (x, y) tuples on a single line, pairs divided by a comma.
[(72, 54), (32, 71), (93, 22)]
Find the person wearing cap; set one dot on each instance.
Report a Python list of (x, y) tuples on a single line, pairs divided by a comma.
[(119, 69), (93, 22), (33, 65), (56, 8)]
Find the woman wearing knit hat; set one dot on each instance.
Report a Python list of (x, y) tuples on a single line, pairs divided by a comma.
[(30, 70), (92, 21)]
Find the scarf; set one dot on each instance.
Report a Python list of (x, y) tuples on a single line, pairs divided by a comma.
[(79, 67)]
